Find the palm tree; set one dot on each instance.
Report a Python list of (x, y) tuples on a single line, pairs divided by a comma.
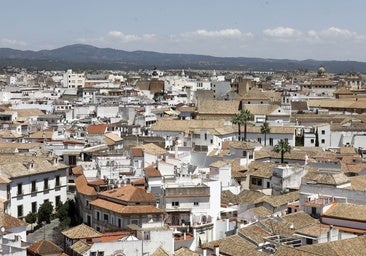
[(237, 119), (282, 147), (246, 116), (265, 129)]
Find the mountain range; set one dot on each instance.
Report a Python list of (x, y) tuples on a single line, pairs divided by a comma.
[(80, 56)]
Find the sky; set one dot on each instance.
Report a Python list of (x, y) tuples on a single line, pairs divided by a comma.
[(281, 29)]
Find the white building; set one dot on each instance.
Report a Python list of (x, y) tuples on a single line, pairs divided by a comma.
[(73, 80), (29, 181)]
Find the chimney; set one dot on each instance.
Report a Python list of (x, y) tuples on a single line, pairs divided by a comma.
[(30, 165)]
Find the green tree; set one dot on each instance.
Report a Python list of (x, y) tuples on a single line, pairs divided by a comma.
[(67, 214), (265, 129), (282, 147), (246, 116), (45, 212), (238, 120), (31, 218)]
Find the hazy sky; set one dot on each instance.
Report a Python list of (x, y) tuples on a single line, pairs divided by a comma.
[(306, 29)]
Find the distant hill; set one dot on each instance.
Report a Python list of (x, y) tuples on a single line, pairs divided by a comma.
[(79, 56)]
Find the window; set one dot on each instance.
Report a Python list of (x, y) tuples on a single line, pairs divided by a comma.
[(105, 217), (34, 186), (57, 182), (205, 136), (98, 215), (176, 203), (271, 141), (57, 200), (45, 182), (20, 188), (195, 203), (323, 141), (20, 211), (259, 140), (257, 181), (34, 207), (244, 153), (323, 131), (119, 223), (309, 241), (211, 141), (312, 141)]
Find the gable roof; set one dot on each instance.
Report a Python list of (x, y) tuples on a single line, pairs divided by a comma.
[(346, 211), (153, 149), (83, 187), (222, 107), (80, 247), (7, 221), (97, 129), (81, 231), (152, 171), (45, 247), (129, 193)]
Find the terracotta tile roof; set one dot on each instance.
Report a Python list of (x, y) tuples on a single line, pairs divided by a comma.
[(16, 165), (218, 164), (235, 246), (261, 169), (80, 247), (352, 246), (81, 231), (97, 128), (137, 152), (126, 210), (276, 201), (255, 94), (97, 182), (153, 149), (221, 107), (346, 211), (77, 170), (4, 180), (254, 233), (261, 109), (260, 211), (22, 113), (114, 137), (242, 145), (45, 247), (129, 194), (41, 135), (160, 252), (112, 236), (185, 252), (83, 187), (151, 171), (347, 150), (300, 219), (327, 177), (7, 221), (358, 183), (315, 230), (245, 196)]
